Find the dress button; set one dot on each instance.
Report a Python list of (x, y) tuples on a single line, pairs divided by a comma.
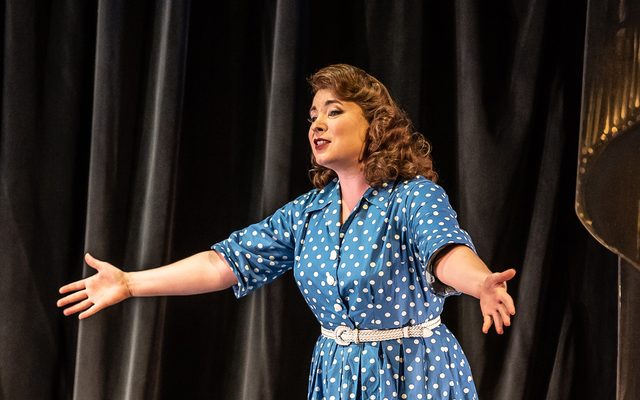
[(330, 279), (333, 255)]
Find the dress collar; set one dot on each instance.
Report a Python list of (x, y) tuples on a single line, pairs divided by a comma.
[(324, 197), (378, 196)]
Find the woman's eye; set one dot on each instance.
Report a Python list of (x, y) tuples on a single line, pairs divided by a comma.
[(334, 113), (312, 119)]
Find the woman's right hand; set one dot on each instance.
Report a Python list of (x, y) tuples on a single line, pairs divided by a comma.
[(90, 295)]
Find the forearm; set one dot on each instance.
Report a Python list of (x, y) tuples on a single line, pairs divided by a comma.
[(201, 273), (462, 269)]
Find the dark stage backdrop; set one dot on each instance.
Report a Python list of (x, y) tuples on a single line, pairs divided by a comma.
[(145, 131)]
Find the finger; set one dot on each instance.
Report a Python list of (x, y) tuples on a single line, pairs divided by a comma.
[(72, 287), (486, 324), (92, 310), (507, 275), (93, 262), (508, 303), (72, 298), (506, 319), (500, 278), (497, 322), (83, 305)]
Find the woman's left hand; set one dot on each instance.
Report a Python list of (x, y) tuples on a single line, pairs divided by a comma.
[(496, 304)]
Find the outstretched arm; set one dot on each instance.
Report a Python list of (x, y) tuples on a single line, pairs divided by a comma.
[(462, 269), (200, 273)]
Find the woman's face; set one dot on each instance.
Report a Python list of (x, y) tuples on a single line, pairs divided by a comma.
[(337, 132)]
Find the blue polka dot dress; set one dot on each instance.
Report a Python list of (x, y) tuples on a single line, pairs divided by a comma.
[(373, 271)]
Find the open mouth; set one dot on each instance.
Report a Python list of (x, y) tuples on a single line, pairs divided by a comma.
[(320, 142)]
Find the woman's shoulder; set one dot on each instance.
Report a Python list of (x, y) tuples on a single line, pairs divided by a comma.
[(314, 197), (419, 186)]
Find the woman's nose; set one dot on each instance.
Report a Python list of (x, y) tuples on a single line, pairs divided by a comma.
[(319, 125)]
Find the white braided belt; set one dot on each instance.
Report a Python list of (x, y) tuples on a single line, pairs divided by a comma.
[(343, 335)]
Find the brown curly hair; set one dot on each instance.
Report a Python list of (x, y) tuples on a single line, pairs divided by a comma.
[(392, 149)]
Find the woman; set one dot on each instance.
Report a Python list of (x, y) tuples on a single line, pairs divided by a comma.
[(375, 250)]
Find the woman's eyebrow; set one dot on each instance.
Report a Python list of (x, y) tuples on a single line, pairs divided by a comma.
[(326, 103), (332, 101)]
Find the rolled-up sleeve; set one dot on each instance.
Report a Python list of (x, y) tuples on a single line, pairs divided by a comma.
[(261, 252), (435, 228)]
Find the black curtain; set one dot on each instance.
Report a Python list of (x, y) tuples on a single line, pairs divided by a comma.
[(145, 131)]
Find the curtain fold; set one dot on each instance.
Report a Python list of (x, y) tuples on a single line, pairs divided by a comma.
[(144, 132), (498, 166), (404, 46), (261, 332), (45, 53), (132, 169)]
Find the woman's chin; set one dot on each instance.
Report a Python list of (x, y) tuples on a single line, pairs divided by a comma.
[(323, 161)]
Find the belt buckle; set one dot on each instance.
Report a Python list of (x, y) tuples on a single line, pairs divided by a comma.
[(426, 332), (339, 331)]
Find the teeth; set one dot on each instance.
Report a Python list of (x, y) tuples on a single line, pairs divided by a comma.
[(321, 141)]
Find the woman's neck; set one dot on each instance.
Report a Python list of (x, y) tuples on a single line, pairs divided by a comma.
[(352, 187)]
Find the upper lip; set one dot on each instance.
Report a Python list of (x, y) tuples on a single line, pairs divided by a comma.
[(316, 140)]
